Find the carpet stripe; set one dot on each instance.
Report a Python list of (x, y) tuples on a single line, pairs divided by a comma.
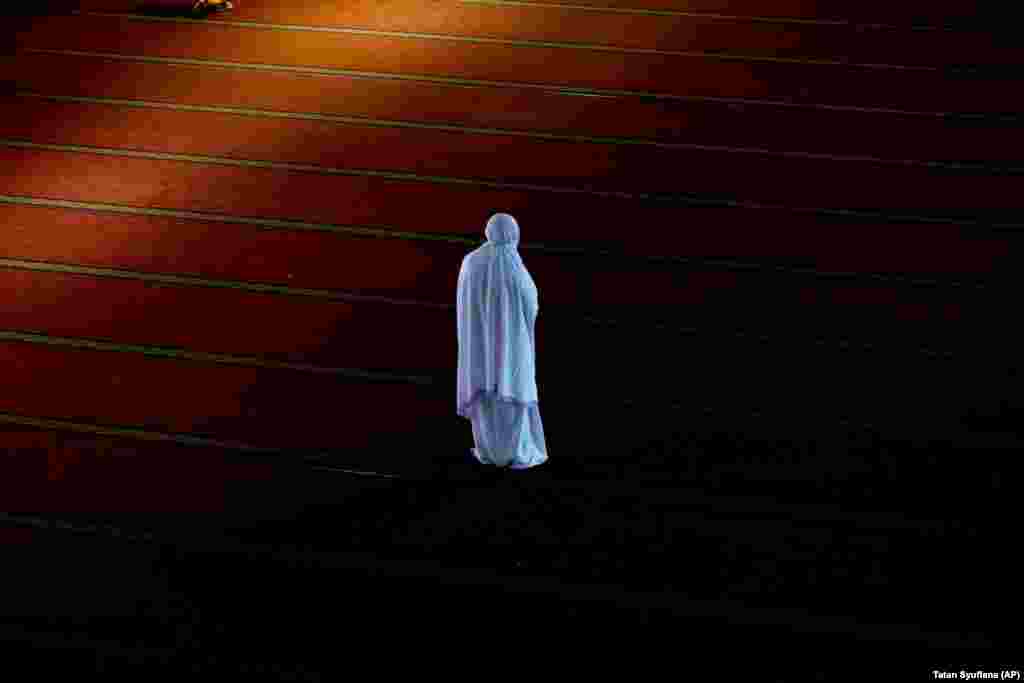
[(641, 11), (682, 199), (452, 81), (210, 358), (593, 47), (597, 140)]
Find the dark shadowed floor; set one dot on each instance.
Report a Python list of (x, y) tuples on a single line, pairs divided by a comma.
[(828, 576)]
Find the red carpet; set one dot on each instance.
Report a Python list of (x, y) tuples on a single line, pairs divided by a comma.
[(805, 82), (634, 168), (275, 408), (701, 122), (260, 220)]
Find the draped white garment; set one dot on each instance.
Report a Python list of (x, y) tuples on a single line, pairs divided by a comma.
[(497, 305)]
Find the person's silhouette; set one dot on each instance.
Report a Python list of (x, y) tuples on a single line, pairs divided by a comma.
[(497, 305)]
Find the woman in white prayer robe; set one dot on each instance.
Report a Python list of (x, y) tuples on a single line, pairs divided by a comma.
[(496, 308)]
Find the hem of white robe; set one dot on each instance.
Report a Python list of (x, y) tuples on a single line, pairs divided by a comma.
[(538, 459)]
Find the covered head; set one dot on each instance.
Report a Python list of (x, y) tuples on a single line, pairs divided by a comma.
[(496, 308), (502, 229)]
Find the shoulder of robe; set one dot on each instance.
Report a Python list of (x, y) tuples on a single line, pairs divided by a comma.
[(472, 258)]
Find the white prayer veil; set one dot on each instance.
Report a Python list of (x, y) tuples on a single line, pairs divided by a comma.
[(496, 307)]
